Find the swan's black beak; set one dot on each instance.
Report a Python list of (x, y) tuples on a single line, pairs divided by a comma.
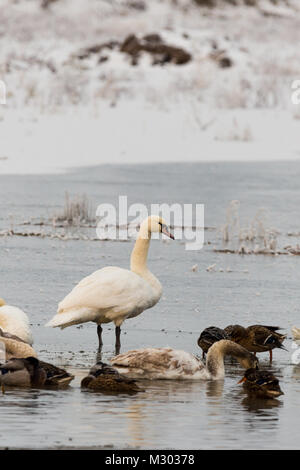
[(165, 229)]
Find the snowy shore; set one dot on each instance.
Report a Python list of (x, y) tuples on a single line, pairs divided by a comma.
[(66, 108)]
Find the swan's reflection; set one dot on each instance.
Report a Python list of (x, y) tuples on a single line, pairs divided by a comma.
[(137, 425), (214, 388)]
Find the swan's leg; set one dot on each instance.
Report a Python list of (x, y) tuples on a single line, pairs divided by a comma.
[(271, 355), (99, 332), (118, 342)]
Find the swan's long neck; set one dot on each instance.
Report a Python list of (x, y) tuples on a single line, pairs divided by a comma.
[(216, 353), (139, 255), (138, 260)]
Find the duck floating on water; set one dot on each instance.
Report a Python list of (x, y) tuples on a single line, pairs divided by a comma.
[(30, 372), (104, 378), (114, 294), (167, 363), (261, 384)]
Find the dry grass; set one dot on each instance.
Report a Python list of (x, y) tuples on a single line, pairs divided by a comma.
[(254, 237), (76, 211)]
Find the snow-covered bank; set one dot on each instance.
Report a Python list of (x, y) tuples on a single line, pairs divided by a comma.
[(76, 96), (134, 133)]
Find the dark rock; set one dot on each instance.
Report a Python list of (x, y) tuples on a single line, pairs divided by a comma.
[(225, 62), (137, 5), (153, 44), (153, 38), (97, 48)]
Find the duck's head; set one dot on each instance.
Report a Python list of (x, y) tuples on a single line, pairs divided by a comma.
[(235, 332), (2, 302), (156, 224)]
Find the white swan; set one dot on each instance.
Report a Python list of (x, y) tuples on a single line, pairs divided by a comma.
[(14, 321), (12, 346), (296, 333), (113, 294), (167, 363)]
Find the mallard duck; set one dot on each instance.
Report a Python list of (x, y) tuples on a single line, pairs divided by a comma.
[(30, 372), (104, 378), (261, 384), (14, 321), (56, 377), (209, 336), (167, 363), (22, 372), (113, 294), (15, 347), (256, 338)]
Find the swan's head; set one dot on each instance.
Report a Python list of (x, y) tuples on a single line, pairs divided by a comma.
[(248, 361), (225, 347), (2, 302), (156, 224)]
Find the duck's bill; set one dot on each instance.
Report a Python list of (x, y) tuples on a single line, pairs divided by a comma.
[(242, 380), (166, 231)]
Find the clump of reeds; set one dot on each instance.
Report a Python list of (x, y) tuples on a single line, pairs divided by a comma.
[(257, 234), (76, 211)]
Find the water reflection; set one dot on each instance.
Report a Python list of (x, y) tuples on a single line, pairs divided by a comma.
[(136, 425), (259, 405), (214, 388)]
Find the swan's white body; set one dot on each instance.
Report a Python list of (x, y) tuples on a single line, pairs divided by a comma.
[(296, 333), (160, 363), (14, 321), (13, 347), (113, 294), (167, 363), (108, 295)]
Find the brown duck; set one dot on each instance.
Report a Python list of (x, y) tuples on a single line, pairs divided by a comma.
[(209, 336), (104, 378), (22, 372), (55, 376), (256, 338), (30, 372), (261, 384)]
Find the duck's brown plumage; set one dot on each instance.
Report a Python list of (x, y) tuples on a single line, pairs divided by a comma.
[(104, 378), (30, 372), (260, 383), (256, 338), (209, 336), (56, 376)]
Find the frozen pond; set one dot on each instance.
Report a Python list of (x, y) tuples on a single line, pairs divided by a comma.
[(37, 272)]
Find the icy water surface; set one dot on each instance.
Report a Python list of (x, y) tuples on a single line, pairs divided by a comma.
[(37, 272)]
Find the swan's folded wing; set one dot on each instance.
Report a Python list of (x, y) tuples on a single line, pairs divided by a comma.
[(15, 348), (108, 288), (158, 361)]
